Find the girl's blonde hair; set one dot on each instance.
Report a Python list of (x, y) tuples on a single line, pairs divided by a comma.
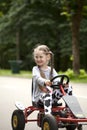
[(46, 51), (43, 48)]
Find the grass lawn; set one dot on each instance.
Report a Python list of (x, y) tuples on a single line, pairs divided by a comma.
[(28, 74), (22, 74)]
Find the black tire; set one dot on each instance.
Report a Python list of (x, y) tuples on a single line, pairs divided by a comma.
[(18, 120), (40, 118), (49, 123), (80, 127), (71, 127)]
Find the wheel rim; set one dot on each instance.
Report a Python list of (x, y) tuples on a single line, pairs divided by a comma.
[(46, 126), (15, 121)]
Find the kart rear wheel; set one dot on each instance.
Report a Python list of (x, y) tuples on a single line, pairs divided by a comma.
[(49, 123), (18, 120), (79, 127), (71, 127)]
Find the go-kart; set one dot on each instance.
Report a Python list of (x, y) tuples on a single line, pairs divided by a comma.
[(69, 116)]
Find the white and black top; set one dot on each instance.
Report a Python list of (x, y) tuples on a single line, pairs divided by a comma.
[(39, 81)]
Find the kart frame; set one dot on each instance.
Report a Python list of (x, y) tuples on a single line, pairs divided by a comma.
[(62, 119)]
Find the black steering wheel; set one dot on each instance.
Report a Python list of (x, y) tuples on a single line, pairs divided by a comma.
[(63, 79)]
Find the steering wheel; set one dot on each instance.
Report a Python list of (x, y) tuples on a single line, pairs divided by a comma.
[(63, 79)]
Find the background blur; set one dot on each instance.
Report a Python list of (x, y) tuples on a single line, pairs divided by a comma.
[(60, 24)]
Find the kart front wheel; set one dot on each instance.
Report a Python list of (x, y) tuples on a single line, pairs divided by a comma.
[(49, 123), (18, 120)]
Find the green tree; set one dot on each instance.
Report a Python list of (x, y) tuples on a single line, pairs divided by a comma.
[(74, 12), (38, 21)]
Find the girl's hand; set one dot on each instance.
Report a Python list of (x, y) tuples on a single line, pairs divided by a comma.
[(66, 85), (48, 83)]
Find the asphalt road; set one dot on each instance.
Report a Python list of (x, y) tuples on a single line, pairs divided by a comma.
[(19, 89)]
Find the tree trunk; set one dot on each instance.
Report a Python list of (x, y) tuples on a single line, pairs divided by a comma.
[(17, 45), (75, 27)]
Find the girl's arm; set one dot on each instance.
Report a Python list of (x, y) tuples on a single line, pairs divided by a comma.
[(37, 76), (42, 82)]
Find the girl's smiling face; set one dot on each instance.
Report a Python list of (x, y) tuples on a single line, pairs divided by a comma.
[(41, 59)]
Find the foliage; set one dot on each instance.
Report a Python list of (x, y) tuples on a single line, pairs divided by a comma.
[(38, 21), (82, 77)]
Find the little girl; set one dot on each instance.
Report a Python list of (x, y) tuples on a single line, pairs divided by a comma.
[(42, 73)]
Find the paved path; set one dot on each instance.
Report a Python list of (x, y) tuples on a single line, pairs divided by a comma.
[(19, 89)]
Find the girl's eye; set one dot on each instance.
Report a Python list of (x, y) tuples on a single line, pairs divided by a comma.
[(41, 56), (36, 57)]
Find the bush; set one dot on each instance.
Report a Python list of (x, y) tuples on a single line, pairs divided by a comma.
[(82, 77), (82, 72)]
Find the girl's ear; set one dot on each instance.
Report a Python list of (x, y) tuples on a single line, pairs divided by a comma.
[(48, 57)]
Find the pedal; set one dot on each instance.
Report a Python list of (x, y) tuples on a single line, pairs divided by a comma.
[(19, 105)]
